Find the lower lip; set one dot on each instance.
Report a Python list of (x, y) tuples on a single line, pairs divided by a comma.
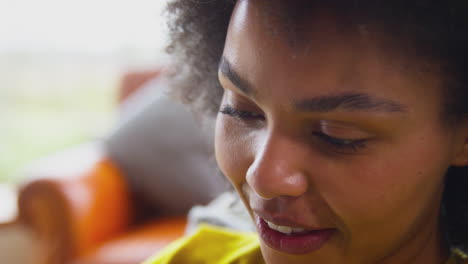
[(293, 244)]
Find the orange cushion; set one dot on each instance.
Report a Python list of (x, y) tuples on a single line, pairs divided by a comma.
[(137, 245)]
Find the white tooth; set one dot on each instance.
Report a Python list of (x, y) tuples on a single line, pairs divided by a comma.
[(285, 229), (297, 230), (271, 225)]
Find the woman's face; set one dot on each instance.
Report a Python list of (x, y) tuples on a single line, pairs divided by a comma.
[(335, 145)]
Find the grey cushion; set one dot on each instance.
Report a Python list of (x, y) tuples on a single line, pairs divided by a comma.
[(166, 154)]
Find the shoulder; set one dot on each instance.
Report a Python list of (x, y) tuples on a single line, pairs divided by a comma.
[(212, 245)]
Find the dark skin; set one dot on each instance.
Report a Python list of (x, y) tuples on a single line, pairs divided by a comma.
[(336, 134)]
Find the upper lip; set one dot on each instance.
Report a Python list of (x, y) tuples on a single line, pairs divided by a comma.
[(285, 220)]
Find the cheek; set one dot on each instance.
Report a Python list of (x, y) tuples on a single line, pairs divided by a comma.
[(233, 148), (401, 183)]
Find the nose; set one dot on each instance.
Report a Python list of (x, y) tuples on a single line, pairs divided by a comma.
[(277, 169)]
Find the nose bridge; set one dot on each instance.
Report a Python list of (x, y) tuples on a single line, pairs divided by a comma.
[(277, 169)]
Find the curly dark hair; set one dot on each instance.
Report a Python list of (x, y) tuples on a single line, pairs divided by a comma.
[(435, 31)]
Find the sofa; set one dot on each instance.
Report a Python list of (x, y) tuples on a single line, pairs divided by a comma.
[(120, 199)]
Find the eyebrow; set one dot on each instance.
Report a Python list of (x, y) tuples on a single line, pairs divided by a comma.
[(350, 101), (241, 84)]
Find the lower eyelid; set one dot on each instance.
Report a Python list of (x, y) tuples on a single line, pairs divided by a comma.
[(325, 136), (353, 147)]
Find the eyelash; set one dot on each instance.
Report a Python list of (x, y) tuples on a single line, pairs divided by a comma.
[(341, 145), (239, 114)]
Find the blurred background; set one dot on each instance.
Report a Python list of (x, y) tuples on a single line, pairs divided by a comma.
[(61, 68), (60, 64), (98, 163)]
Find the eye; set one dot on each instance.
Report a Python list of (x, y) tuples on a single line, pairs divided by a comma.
[(241, 114), (342, 145)]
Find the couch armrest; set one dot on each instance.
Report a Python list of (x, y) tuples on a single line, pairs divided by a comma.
[(138, 244), (71, 216)]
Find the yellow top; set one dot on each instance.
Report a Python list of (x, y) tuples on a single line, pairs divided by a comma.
[(209, 245)]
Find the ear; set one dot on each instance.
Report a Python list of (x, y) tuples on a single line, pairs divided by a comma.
[(461, 157)]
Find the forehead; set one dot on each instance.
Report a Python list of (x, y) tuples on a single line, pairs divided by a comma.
[(293, 29), (264, 40), (294, 21), (286, 20), (315, 53)]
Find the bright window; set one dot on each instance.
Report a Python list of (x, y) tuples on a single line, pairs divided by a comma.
[(60, 63)]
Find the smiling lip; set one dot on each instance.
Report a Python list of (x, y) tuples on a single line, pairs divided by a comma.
[(302, 243)]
